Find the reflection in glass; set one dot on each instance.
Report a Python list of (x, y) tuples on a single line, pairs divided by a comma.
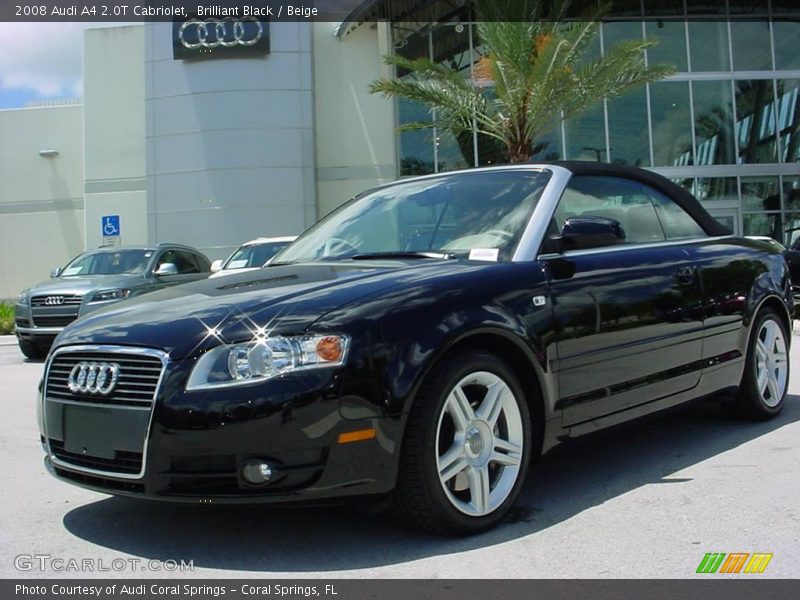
[(707, 7), (708, 43), (747, 7), (755, 126), (416, 147), (716, 189), (586, 135), (791, 193), (768, 224), (791, 230), (787, 41), (785, 6), (760, 193), (628, 130), (620, 31), (671, 47), (789, 118), (664, 8), (672, 137), (548, 146), (751, 45), (713, 123), (452, 154)]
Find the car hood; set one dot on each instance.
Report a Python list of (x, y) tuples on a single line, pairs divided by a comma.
[(82, 285), (187, 319)]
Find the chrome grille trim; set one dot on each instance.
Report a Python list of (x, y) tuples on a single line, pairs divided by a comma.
[(69, 300), (55, 315), (145, 400)]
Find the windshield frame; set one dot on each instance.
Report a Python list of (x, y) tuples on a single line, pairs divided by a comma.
[(511, 255)]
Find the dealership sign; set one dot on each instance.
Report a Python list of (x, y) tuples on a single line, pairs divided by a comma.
[(227, 37)]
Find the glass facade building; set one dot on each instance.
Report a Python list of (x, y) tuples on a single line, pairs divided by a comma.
[(726, 125)]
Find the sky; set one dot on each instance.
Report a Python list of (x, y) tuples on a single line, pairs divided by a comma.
[(39, 61)]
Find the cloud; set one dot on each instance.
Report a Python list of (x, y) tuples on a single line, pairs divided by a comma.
[(42, 58)]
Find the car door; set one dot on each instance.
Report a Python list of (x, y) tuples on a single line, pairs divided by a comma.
[(629, 316)]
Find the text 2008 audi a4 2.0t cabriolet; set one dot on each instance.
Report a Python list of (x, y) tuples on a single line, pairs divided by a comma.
[(421, 345)]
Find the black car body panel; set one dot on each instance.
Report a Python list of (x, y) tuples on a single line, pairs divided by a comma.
[(596, 337)]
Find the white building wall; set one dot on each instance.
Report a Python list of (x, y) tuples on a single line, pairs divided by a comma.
[(355, 130), (114, 132), (41, 199), (230, 152)]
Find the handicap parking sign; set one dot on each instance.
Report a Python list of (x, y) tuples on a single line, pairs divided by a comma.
[(110, 226)]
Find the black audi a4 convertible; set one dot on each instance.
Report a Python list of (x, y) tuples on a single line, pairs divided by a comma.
[(422, 345)]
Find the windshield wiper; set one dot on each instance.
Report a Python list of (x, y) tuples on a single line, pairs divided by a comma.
[(400, 254)]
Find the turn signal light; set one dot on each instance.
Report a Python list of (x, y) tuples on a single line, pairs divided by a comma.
[(357, 436), (330, 348)]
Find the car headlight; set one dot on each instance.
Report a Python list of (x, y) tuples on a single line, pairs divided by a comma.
[(266, 358), (105, 295), (23, 297)]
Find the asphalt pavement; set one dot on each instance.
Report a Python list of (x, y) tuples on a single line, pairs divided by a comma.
[(643, 502)]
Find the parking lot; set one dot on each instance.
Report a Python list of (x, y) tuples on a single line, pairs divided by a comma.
[(647, 501)]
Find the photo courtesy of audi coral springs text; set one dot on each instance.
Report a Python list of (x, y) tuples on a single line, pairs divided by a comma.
[(421, 345)]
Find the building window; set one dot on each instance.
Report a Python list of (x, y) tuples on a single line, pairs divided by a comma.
[(726, 125)]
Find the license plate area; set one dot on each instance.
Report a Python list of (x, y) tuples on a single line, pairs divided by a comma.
[(97, 431)]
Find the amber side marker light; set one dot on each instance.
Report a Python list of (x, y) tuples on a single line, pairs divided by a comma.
[(329, 348), (357, 436)]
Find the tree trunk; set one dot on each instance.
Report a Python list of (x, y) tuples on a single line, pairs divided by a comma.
[(519, 151)]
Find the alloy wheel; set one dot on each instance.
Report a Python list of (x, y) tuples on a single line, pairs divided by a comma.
[(771, 367), (479, 443)]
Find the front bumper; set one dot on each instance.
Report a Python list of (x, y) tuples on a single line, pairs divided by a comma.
[(197, 442)]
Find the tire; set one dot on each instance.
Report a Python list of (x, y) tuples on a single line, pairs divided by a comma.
[(32, 350), (762, 392), (483, 457)]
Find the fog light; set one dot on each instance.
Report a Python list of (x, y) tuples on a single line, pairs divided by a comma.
[(256, 471)]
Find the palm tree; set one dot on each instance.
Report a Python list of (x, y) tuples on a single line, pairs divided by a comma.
[(533, 73)]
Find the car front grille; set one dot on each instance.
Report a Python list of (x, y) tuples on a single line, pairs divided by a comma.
[(102, 431), (55, 310), (54, 320)]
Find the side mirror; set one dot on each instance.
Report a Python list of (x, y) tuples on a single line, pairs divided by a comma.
[(55, 272), (167, 269), (216, 265), (581, 233)]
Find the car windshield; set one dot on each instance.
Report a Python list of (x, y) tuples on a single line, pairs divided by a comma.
[(118, 262), (447, 215), (253, 255)]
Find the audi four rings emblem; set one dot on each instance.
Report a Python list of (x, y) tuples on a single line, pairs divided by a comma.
[(93, 378), (212, 33), (54, 300)]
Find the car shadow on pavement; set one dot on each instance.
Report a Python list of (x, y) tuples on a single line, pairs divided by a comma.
[(567, 481)]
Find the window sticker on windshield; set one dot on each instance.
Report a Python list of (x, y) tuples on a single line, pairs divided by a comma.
[(489, 254), (237, 264)]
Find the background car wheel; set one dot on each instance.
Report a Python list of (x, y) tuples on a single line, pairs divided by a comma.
[(766, 374), (466, 447), (32, 350)]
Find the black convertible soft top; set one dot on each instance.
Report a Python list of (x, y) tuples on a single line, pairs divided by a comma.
[(681, 196)]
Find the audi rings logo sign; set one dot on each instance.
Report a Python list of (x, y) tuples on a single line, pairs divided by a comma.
[(93, 378), (219, 37), (54, 300)]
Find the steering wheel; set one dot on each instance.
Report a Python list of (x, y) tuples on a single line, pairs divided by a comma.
[(336, 246)]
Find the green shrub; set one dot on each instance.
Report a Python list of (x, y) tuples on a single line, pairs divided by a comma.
[(6, 318)]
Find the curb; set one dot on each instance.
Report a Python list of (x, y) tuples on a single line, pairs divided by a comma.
[(8, 340)]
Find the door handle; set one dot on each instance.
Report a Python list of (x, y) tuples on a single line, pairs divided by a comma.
[(685, 275)]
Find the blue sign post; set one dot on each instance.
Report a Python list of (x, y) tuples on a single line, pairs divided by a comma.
[(110, 226)]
